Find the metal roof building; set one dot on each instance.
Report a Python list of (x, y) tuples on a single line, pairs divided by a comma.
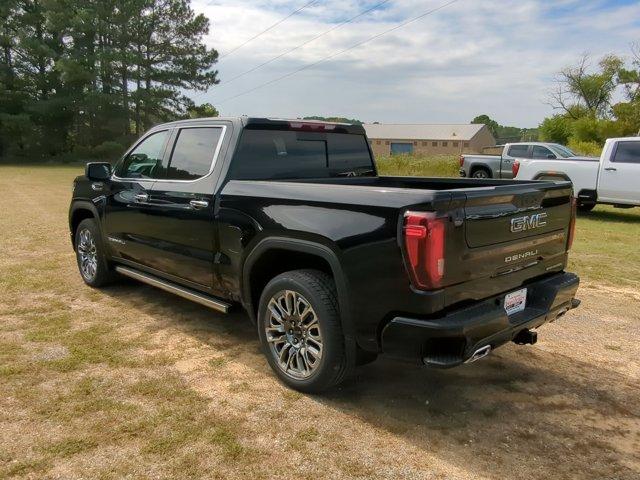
[(432, 139)]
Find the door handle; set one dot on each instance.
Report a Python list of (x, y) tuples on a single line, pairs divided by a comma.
[(141, 197), (199, 203), (611, 169)]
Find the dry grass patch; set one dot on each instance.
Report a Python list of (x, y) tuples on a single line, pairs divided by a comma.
[(130, 382)]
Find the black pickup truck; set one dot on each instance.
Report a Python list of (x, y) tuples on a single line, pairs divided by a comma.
[(332, 262)]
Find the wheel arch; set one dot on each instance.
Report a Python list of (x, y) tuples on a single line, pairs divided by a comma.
[(81, 210), (259, 268), (558, 175), (480, 166)]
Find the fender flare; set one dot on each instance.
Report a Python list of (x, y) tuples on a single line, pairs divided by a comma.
[(302, 246), (84, 205)]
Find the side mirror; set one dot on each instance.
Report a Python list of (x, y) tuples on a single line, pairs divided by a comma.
[(98, 171)]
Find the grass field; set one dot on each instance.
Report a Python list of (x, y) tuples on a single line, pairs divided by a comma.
[(419, 166), (132, 382)]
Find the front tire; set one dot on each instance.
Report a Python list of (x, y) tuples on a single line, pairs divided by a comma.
[(301, 332), (91, 256)]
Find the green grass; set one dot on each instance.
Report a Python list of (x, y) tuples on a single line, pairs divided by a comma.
[(418, 165), (605, 246)]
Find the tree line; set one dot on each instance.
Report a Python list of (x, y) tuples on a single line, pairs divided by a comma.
[(595, 102), (506, 134), (83, 78)]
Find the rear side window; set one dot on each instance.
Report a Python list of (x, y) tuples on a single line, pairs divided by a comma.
[(193, 153), (520, 151), (145, 160), (277, 154), (541, 152), (627, 152)]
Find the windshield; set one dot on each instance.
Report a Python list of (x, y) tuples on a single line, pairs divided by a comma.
[(562, 151)]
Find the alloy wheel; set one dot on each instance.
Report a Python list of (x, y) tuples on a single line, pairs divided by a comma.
[(293, 334), (87, 254)]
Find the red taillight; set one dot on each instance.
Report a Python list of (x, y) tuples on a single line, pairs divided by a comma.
[(461, 160), (424, 244), (311, 126), (572, 223), (515, 168)]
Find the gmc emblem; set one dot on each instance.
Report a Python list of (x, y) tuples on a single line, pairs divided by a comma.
[(528, 222)]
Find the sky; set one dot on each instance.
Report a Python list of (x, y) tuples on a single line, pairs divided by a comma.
[(471, 57)]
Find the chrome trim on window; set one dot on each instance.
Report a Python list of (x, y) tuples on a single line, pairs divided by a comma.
[(214, 159)]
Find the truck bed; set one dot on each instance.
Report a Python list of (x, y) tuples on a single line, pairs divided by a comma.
[(482, 242)]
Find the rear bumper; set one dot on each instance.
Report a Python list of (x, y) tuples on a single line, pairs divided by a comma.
[(452, 339)]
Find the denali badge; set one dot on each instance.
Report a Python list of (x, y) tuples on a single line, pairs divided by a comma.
[(528, 222), (520, 256)]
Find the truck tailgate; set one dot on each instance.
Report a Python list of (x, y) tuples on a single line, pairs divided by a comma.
[(514, 232), (509, 216)]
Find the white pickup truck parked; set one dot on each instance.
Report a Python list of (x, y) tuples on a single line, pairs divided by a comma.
[(612, 179)]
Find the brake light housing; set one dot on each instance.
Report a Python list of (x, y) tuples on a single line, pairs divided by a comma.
[(461, 160), (312, 126), (572, 223), (424, 244), (515, 168)]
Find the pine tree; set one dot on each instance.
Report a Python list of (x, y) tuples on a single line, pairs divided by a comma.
[(89, 75)]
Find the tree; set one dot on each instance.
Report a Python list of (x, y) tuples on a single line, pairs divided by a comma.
[(556, 129), (628, 113), (489, 122), (88, 75), (579, 92), (202, 111)]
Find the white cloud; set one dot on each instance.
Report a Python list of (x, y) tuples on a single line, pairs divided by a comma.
[(494, 57)]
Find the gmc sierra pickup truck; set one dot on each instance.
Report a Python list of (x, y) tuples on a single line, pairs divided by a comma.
[(611, 179), (332, 262), (501, 166)]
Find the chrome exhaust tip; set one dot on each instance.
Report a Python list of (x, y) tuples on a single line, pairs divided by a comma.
[(478, 354)]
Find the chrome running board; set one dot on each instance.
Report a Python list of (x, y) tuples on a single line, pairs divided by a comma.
[(183, 292)]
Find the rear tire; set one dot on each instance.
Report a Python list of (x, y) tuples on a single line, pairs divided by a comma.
[(481, 173), (301, 332), (91, 255)]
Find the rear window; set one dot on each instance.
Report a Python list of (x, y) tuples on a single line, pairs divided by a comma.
[(193, 153), (521, 151), (627, 152), (541, 152), (277, 154)]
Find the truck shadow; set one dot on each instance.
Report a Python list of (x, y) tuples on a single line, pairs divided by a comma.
[(521, 413), (622, 215)]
